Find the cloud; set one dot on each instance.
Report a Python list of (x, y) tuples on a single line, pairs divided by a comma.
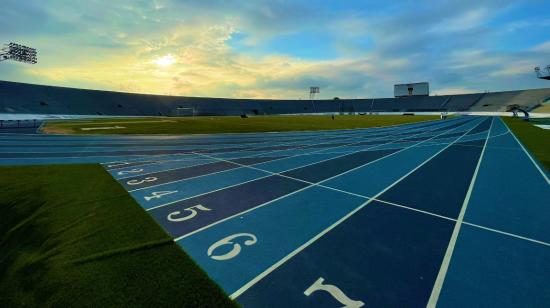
[(543, 47), (112, 45), (467, 20), (455, 90)]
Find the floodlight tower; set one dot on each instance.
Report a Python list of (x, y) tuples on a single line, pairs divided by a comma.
[(312, 92), (542, 75), (19, 53)]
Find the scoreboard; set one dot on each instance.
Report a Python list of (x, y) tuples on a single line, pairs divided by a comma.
[(411, 89)]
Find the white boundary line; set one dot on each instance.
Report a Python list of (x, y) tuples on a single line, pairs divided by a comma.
[(434, 297), (341, 220)]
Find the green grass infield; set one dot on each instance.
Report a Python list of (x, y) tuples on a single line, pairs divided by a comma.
[(70, 235), (535, 139), (229, 124)]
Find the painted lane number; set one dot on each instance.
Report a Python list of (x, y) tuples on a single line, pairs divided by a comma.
[(137, 182), (113, 165), (192, 210), (229, 241), (335, 292), (159, 194), (130, 171)]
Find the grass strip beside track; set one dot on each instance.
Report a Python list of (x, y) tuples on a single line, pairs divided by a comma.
[(72, 236), (535, 139), (228, 124)]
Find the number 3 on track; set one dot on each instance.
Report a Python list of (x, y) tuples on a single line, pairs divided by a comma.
[(137, 182), (159, 194)]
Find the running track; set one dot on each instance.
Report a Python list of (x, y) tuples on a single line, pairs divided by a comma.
[(450, 213)]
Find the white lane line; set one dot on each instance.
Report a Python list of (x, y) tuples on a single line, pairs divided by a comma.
[(507, 233), (282, 158), (239, 151), (240, 167), (341, 220), (240, 213), (182, 167), (311, 184), (336, 133), (263, 142), (528, 155), (475, 146), (146, 162), (205, 193), (270, 173), (363, 138), (90, 149), (347, 171), (154, 157), (139, 174), (436, 291), (137, 156)]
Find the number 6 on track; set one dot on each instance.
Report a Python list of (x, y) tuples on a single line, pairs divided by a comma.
[(158, 194)]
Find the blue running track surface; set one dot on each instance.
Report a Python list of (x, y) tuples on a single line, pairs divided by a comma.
[(450, 213)]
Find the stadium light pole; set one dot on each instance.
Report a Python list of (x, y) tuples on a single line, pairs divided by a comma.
[(312, 92), (19, 53), (542, 75)]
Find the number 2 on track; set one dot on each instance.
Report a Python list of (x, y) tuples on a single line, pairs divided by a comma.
[(130, 171), (113, 165)]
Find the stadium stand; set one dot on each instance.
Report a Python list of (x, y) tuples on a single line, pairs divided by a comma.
[(499, 101), (22, 98)]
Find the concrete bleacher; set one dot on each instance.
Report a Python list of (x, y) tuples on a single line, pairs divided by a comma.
[(17, 98), (499, 101)]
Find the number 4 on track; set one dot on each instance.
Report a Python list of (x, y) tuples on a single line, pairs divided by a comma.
[(159, 194)]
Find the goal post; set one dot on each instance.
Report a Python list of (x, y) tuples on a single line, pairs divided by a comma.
[(185, 111)]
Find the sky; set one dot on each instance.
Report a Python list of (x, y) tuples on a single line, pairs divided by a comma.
[(278, 49)]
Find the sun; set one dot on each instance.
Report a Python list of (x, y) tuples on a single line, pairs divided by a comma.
[(165, 61)]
